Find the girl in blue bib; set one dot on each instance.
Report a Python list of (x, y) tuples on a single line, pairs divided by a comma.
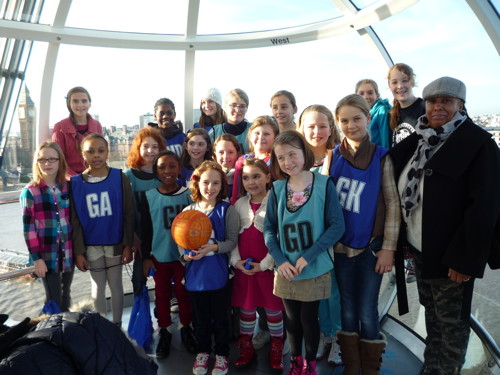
[(363, 176), (103, 224), (303, 221), (207, 269)]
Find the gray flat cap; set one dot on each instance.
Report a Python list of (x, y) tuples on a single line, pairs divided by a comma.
[(444, 86)]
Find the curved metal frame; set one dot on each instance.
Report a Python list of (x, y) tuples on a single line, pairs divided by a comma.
[(58, 34)]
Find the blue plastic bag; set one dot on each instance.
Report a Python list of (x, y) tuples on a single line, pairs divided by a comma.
[(140, 327), (50, 308)]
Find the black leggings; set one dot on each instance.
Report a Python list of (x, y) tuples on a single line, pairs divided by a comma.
[(302, 322)]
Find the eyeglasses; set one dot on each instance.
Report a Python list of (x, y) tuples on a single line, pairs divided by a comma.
[(50, 160), (241, 107)]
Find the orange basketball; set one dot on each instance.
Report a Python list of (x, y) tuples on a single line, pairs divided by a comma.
[(191, 229)]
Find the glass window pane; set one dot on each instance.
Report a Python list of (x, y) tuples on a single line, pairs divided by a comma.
[(48, 12), (496, 5), (223, 17), (360, 4), (312, 71), (152, 16), (441, 46)]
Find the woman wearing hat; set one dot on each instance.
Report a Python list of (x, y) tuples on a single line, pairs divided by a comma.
[(448, 176), (211, 110), (68, 133)]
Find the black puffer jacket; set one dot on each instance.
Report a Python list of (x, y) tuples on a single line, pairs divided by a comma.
[(75, 343)]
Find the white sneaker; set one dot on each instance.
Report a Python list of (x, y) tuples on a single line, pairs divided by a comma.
[(261, 339), (174, 305), (200, 366), (221, 365), (321, 346), (334, 356)]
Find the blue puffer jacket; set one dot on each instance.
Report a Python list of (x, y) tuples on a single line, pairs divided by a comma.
[(75, 343)]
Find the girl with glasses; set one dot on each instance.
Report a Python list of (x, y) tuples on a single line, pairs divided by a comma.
[(47, 228), (236, 106)]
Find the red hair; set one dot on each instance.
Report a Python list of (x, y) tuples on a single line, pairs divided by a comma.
[(134, 159)]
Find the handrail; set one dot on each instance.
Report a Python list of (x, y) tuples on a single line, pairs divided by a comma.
[(388, 296), (486, 339), (17, 273)]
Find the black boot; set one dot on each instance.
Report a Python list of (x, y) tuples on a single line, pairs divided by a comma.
[(163, 348), (189, 340)]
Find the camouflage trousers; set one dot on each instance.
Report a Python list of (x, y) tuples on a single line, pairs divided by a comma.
[(447, 312)]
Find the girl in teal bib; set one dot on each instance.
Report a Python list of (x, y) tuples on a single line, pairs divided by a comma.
[(303, 221)]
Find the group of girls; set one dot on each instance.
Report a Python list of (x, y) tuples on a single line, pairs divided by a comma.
[(297, 225)]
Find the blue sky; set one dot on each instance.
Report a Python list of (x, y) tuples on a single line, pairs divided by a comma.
[(436, 38)]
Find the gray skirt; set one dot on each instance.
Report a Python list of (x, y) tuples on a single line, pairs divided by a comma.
[(306, 290)]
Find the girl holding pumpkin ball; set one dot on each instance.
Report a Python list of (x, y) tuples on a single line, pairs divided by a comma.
[(207, 272)]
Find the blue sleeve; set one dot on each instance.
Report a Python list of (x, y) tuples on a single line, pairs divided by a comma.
[(334, 224), (271, 230)]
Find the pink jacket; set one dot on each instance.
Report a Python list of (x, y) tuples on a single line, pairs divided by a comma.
[(66, 136)]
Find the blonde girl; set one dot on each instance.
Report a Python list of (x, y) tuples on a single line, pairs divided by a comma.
[(380, 131), (363, 175), (47, 228), (103, 224), (284, 107), (303, 220), (317, 125)]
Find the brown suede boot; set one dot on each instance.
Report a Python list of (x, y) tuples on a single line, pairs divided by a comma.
[(349, 351), (371, 355)]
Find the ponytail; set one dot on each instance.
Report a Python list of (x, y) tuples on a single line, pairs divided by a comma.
[(395, 115)]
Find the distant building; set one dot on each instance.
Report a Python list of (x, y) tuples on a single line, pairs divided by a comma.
[(27, 120), (495, 132), (120, 140), (144, 120)]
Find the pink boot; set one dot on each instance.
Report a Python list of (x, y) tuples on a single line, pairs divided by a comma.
[(309, 367), (295, 366)]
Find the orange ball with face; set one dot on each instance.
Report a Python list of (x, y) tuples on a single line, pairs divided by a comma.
[(191, 229)]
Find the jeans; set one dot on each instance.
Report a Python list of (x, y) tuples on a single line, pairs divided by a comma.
[(58, 288), (359, 286), (329, 311)]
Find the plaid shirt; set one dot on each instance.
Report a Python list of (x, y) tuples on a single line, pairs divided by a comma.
[(47, 226)]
